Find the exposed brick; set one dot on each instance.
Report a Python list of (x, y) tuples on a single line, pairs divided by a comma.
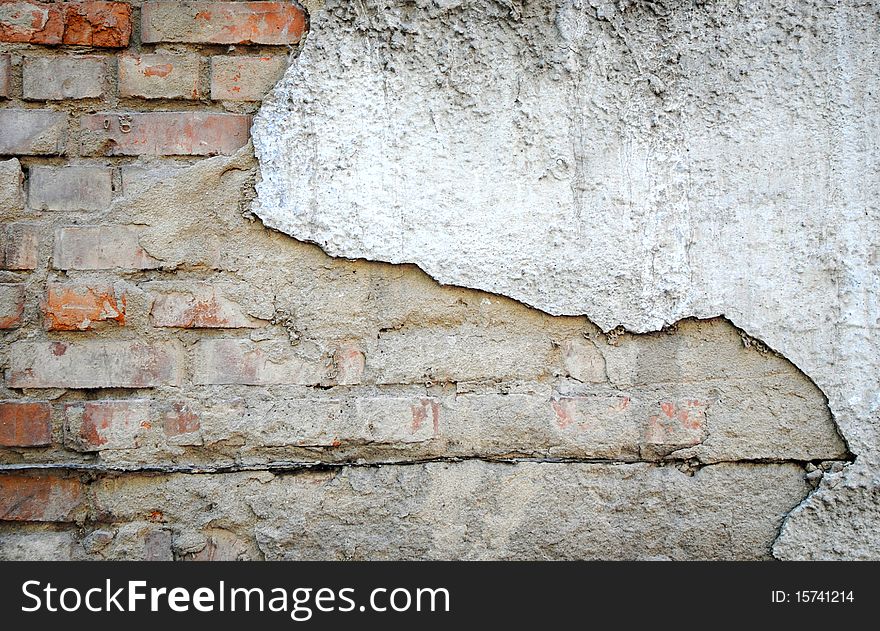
[(40, 498), (159, 76), (245, 78), (87, 23), (677, 424), (5, 76), (94, 364), (11, 189), (31, 22), (67, 77), (32, 132), (350, 362), (164, 133), (11, 305), (71, 307), (25, 424), (100, 247), (222, 22), (417, 354), (181, 422), (70, 188), (102, 24), (222, 362), (103, 425), (19, 246), (203, 308), (583, 361)]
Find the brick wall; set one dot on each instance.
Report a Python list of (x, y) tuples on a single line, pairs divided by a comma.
[(151, 326)]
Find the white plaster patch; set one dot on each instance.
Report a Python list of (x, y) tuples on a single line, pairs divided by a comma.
[(637, 166)]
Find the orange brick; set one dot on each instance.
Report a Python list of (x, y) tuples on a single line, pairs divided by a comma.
[(104, 24), (101, 24), (164, 133), (25, 424), (222, 22), (40, 498), (31, 22), (71, 307)]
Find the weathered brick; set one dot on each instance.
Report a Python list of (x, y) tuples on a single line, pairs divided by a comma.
[(106, 425), (11, 189), (583, 361), (181, 423), (159, 76), (413, 355), (11, 305), (70, 188), (245, 78), (102, 24), (72, 307), (222, 22), (221, 362), (100, 247), (31, 22), (203, 307), (40, 498), (86, 23), (164, 133), (32, 132), (324, 421), (19, 246), (5, 76), (94, 364), (25, 424), (66, 77), (350, 362)]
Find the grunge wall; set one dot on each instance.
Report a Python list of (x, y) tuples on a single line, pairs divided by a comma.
[(633, 355)]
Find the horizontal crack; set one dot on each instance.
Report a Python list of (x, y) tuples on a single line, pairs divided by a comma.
[(292, 466)]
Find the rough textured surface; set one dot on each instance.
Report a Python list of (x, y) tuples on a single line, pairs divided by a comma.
[(181, 382), (635, 162), (466, 510)]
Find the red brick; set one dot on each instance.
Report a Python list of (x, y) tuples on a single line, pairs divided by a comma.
[(32, 132), (100, 247), (31, 22), (201, 308), (25, 424), (5, 76), (11, 305), (159, 76), (101, 24), (222, 22), (245, 78), (164, 133), (40, 498), (19, 246), (63, 77), (94, 364), (103, 425), (71, 307)]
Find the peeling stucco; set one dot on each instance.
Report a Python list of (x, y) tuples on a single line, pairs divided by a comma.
[(637, 163)]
